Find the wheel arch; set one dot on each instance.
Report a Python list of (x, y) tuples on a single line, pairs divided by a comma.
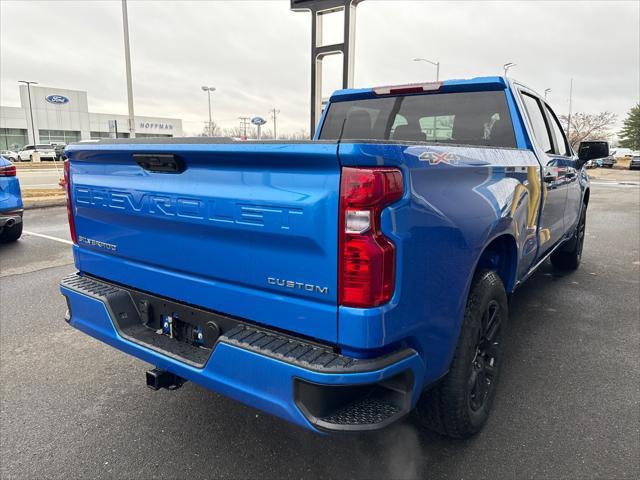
[(501, 255)]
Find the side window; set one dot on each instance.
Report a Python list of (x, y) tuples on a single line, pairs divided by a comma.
[(537, 122), (562, 147)]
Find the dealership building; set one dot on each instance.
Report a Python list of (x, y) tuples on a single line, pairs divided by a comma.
[(62, 116)]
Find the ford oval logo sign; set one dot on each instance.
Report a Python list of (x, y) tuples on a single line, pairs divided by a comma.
[(57, 99), (258, 121)]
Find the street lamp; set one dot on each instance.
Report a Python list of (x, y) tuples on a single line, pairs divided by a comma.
[(436, 64), (33, 129), (546, 90), (209, 90), (507, 66)]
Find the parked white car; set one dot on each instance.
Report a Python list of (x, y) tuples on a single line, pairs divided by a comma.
[(46, 151)]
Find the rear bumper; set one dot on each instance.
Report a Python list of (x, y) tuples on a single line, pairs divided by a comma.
[(10, 218), (318, 389)]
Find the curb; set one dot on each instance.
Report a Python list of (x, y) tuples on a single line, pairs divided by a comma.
[(30, 204)]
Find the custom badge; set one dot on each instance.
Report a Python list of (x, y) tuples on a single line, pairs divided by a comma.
[(435, 158)]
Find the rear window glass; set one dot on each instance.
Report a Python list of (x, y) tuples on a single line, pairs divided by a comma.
[(465, 118)]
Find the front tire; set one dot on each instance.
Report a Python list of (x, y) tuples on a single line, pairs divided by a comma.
[(569, 256), (459, 405)]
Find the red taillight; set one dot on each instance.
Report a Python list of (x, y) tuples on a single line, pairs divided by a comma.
[(367, 258), (72, 222), (8, 171)]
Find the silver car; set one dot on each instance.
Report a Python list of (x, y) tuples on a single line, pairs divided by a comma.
[(10, 155)]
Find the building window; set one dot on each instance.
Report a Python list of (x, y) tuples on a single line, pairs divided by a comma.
[(13, 138), (99, 135), (59, 136)]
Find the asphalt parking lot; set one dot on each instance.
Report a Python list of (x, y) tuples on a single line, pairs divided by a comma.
[(568, 405)]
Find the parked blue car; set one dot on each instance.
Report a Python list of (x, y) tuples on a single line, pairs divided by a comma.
[(10, 203), (341, 282)]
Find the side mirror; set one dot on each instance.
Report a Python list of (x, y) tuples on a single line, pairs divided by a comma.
[(592, 150)]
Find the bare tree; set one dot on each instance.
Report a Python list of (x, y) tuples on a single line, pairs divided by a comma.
[(211, 129), (301, 134), (588, 126), (234, 132)]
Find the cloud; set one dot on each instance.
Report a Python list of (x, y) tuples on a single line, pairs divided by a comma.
[(257, 53)]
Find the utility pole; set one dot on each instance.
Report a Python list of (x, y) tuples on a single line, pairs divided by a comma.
[(33, 128), (127, 59), (570, 102), (244, 123), (274, 114)]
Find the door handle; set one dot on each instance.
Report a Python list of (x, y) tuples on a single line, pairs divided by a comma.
[(160, 163)]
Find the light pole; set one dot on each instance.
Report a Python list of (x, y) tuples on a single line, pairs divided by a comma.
[(507, 66), (546, 91), (209, 90), (33, 128), (127, 61), (436, 64)]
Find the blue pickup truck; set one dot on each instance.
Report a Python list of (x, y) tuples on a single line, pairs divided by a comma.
[(337, 283)]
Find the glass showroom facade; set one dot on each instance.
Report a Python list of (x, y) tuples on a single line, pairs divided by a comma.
[(13, 138), (59, 136)]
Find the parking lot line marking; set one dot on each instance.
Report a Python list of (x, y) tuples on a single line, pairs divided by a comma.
[(617, 184), (49, 237)]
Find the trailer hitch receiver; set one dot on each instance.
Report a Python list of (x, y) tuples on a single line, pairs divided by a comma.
[(158, 378)]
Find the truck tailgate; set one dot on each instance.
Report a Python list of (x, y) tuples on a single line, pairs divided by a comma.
[(246, 229)]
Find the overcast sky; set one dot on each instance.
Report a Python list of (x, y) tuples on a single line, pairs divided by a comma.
[(256, 53)]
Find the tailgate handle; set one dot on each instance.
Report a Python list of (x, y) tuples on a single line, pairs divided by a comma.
[(161, 162)]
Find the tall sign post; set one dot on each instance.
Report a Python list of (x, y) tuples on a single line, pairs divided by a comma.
[(318, 8), (258, 122)]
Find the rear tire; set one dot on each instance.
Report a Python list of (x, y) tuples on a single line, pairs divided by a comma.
[(568, 257), (459, 405), (11, 234)]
